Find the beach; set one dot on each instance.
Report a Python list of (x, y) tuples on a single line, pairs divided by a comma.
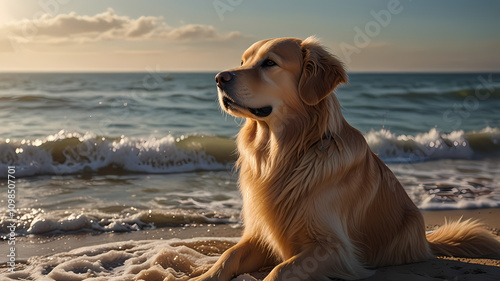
[(115, 180), (213, 240)]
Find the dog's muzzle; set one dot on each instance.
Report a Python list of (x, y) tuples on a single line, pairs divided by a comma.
[(225, 78)]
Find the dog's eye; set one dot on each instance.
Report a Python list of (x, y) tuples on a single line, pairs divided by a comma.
[(268, 63), (241, 63)]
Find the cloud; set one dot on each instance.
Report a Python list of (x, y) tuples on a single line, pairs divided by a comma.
[(72, 24), (199, 32), (143, 26), (64, 28)]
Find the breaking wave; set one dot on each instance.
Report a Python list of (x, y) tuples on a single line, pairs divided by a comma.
[(70, 152), (434, 145)]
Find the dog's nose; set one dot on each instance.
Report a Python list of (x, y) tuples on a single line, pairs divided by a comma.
[(223, 77)]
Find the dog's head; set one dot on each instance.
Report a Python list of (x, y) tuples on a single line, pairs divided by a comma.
[(278, 77)]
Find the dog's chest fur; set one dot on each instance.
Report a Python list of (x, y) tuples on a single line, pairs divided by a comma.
[(277, 193)]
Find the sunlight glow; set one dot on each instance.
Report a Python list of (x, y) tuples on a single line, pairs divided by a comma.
[(5, 15)]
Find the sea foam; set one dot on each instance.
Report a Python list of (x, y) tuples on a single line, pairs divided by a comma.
[(72, 152), (149, 260), (37, 222), (434, 145)]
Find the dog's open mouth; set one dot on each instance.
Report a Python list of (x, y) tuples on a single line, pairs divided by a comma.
[(259, 112)]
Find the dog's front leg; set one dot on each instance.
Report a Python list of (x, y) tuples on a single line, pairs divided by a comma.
[(245, 257), (319, 263)]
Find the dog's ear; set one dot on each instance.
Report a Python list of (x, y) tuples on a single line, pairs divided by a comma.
[(321, 72)]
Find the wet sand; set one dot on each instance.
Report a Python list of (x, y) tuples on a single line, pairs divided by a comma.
[(27, 247), (439, 268)]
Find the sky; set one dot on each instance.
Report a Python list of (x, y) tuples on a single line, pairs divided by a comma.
[(211, 35)]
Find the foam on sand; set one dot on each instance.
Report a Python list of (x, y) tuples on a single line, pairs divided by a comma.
[(179, 260), (133, 260), (62, 222)]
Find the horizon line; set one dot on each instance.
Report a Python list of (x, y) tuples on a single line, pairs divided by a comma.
[(216, 71)]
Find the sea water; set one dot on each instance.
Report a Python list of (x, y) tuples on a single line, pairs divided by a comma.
[(122, 152)]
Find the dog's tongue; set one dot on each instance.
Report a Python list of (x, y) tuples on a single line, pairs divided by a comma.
[(261, 112)]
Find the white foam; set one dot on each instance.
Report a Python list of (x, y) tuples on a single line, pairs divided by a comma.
[(89, 152), (77, 153), (49, 223), (430, 203), (174, 260), (431, 145), (63, 222), (74, 222)]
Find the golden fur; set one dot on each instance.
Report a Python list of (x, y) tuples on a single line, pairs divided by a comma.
[(317, 202)]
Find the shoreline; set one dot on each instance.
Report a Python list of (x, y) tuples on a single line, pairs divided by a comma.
[(438, 268), (39, 245), (46, 245)]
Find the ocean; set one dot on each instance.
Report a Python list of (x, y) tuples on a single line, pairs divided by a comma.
[(128, 152)]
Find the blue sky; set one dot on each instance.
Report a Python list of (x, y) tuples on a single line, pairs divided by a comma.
[(124, 35)]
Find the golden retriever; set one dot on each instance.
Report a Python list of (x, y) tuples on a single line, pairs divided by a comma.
[(317, 202)]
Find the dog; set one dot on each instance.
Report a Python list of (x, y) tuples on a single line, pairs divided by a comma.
[(317, 202)]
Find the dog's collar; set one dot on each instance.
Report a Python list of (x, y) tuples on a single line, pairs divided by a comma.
[(324, 143)]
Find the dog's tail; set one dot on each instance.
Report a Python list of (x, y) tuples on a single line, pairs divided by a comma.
[(464, 239)]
